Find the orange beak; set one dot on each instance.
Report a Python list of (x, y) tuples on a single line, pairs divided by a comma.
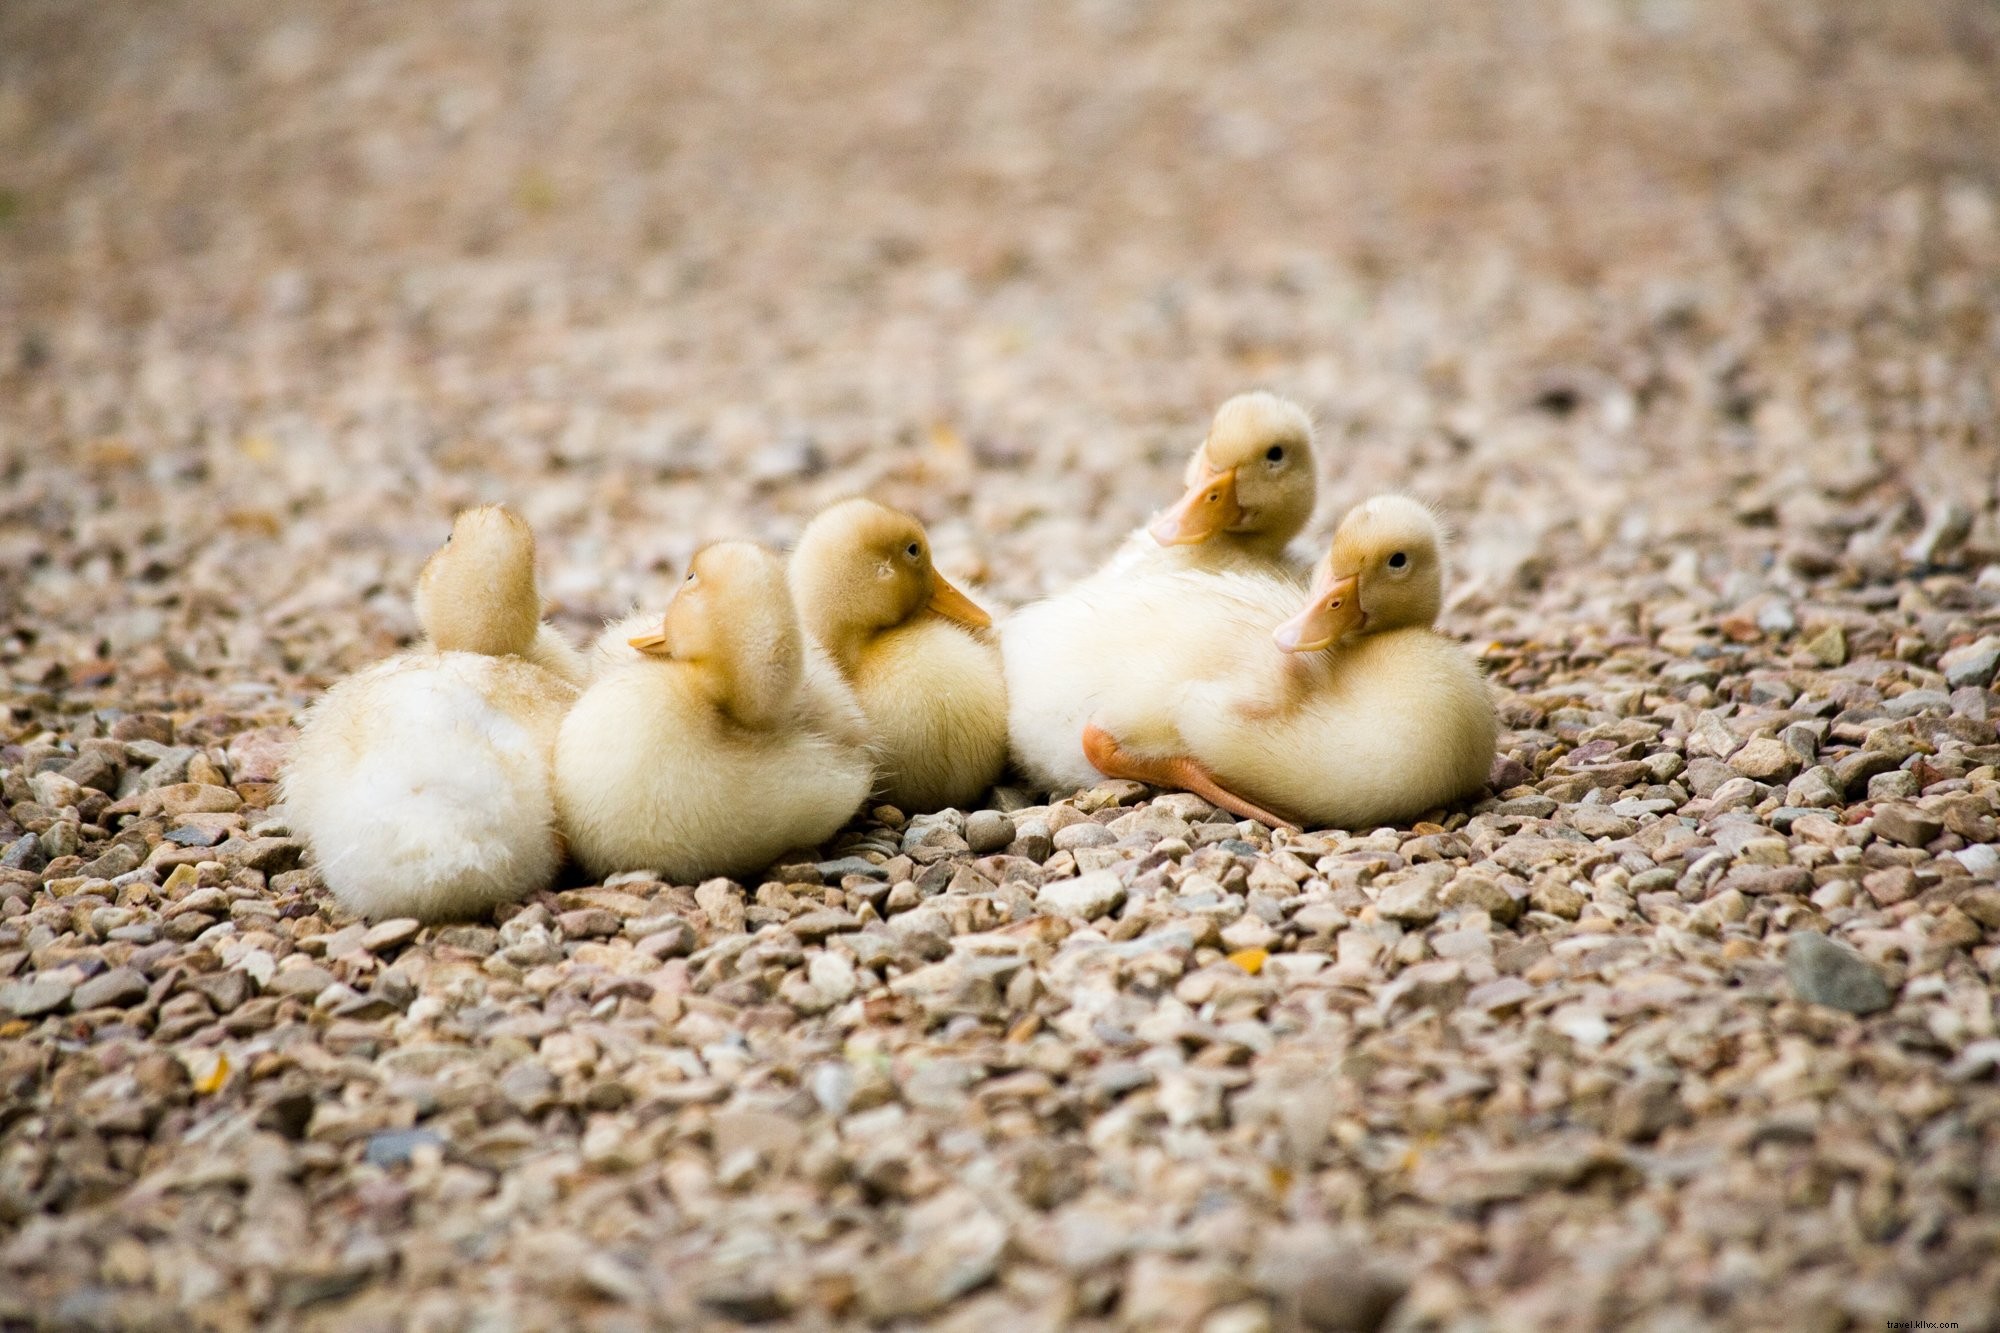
[(955, 606), (654, 643), (1208, 507), (1334, 610)]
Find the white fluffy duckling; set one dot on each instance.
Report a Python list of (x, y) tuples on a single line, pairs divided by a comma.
[(912, 646), (712, 751), (1364, 716), (1209, 570), (422, 784)]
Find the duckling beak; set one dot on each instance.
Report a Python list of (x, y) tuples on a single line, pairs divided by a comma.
[(1335, 609), (654, 644), (954, 605), (1209, 507)]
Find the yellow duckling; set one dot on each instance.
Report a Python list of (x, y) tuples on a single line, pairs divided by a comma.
[(489, 604), (1251, 488), (712, 750), (422, 784), (911, 645), (1364, 716), (1134, 632)]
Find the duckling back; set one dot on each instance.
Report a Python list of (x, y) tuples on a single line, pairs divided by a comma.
[(423, 785), (650, 776)]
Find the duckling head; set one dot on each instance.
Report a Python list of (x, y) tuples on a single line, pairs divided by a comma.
[(861, 568), (1253, 477), (476, 593), (732, 624), (1385, 571)]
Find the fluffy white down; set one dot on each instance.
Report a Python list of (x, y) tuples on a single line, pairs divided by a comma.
[(650, 777), (422, 785), (1118, 650)]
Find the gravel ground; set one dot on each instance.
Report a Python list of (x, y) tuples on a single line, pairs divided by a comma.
[(1683, 311)]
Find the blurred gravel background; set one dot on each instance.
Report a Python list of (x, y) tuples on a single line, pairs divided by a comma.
[(1686, 314)]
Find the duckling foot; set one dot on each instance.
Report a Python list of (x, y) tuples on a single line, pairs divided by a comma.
[(1184, 772)]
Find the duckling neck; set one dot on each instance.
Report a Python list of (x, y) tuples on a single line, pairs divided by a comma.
[(849, 645), (757, 686), (1262, 545)]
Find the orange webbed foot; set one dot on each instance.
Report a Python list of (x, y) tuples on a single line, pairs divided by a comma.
[(1181, 772)]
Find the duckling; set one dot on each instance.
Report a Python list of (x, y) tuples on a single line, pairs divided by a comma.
[(1251, 488), (1153, 616), (712, 751), (911, 645), (422, 784), (488, 602), (1367, 717)]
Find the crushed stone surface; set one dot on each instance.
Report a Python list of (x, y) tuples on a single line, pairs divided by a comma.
[(1683, 313)]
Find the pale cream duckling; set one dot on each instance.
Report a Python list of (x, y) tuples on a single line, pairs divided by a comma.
[(911, 645), (422, 784), (712, 751), (1251, 488), (1159, 610), (490, 603), (1369, 717)]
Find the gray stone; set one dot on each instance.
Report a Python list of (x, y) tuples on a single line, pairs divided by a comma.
[(1829, 972), (812, 927), (1973, 664), (1411, 902), (115, 989), (385, 935), (1818, 788), (1852, 773), (34, 996), (528, 1086), (988, 831), (24, 853), (391, 1148), (1087, 896), (1918, 701), (1085, 834), (1905, 825), (836, 870)]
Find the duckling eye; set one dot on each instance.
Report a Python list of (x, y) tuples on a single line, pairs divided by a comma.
[(1398, 560), (913, 550), (1276, 453)]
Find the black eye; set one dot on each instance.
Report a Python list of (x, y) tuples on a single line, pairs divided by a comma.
[(913, 550), (1398, 560), (1276, 453)]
